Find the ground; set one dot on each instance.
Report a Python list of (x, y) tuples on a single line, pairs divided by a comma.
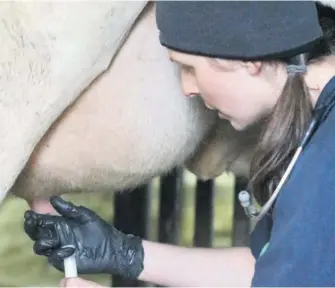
[(19, 266)]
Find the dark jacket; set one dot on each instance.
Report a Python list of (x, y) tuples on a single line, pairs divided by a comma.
[(298, 241)]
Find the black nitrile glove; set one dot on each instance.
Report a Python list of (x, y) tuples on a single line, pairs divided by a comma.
[(100, 248)]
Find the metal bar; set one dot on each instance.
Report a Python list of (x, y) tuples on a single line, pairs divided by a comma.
[(132, 215), (204, 213), (241, 223), (171, 188)]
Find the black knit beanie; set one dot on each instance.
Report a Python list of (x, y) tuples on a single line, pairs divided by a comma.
[(242, 30)]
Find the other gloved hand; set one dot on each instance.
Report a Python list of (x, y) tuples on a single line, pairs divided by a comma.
[(99, 247)]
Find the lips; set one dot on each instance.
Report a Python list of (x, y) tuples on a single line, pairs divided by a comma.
[(209, 106), (220, 114)]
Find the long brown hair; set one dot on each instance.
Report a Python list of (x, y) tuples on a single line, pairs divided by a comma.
[(287, 123)]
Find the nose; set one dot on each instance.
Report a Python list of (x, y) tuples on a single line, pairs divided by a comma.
[(188, 84)]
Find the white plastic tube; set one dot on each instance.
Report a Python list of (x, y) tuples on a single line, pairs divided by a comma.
[(70, 265)]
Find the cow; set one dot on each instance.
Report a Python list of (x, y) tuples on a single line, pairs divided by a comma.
[(90, 101)]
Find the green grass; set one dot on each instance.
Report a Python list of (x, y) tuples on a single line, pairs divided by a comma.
[(19, 266)]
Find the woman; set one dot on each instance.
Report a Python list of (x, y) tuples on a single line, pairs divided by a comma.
[(252, 61)]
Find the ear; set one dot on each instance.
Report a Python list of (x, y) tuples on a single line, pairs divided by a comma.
[(253, 68)]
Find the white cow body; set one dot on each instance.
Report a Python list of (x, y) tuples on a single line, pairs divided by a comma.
[(132, 124), (49, 53)]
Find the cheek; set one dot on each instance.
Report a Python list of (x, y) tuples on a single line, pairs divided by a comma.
[(210, 90), (219, 94), (220, 89)]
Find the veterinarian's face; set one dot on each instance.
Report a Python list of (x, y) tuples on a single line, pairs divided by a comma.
[(241, 92)]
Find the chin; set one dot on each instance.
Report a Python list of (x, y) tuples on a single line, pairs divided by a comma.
[(245, 123)]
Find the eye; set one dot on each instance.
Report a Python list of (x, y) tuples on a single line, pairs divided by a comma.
[(187, 69)]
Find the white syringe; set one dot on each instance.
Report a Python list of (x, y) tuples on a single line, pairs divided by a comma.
[(70, 265)]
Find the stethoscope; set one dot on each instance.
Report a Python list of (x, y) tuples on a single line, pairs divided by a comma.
[(325, 104), (244, 196)]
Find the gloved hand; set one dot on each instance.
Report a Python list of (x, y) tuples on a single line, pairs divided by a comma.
[(99, 247)]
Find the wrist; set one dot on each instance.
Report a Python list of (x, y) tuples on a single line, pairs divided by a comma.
[(128, 260), (135, 256)]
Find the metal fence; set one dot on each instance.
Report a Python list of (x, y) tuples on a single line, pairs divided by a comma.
[(132, 214)]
